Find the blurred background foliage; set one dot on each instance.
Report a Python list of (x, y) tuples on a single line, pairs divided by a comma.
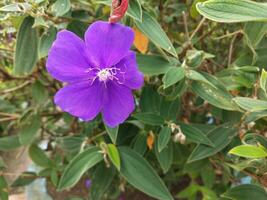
[(199, 129)]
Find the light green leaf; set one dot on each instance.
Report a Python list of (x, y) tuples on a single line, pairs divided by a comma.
[(164, 138), (114, 155), (246, 192), (220, 136), (249, 151), (61, 7), (233, 11), (149, 118), (151, 28), (39, 157), (16, 7), (263, 81), (113, 133), (255, 32), (250, 104), (195, 135), (29, 130), (172, 76), (78, 166), (153, 65), (139, 173), (26, 54)]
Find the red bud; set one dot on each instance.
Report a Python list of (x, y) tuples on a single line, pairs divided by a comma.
[(119, 8)]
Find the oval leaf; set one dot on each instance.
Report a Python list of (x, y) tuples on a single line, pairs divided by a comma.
[(249, 151), (149, 118), (173, 75), (114, 155), (164, 138)]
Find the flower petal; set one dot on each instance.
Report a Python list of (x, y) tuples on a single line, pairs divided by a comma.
[(81, 99), (108, 43), (133, 78), (118, 104), (67, 58)]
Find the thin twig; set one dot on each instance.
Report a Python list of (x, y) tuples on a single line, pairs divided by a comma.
[(198, 28), (186, 27), (231, 49), (229, 35), (16, 88)]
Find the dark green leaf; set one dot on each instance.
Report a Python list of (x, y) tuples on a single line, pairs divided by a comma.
[(26, 54), (149, 118), (135, 10), (139, 173), (46, 42), (164, 138), (172, 76), (39, 157), (9, 143), (78, 166), (113, 133)]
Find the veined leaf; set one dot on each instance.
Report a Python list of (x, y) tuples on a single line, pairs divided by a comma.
[(164, 138), (233, 10), (172, 76), (250, 104)]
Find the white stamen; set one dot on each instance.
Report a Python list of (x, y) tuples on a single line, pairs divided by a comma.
[(104, 75)]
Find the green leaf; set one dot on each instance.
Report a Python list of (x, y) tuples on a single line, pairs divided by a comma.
[(263, 81), (149, 118), (153, 65), (220, 136), (217, 95), (233, 11), (140, 145), (255, 32), (172, 76), (196, 76), (61, 7), (246, 192), (29, 130), (16, 7), (135, 10), (164, 138), (113, 133), (26, 54), (195, 135), (9, 143), (114, 155), (151, 28), (39, 157), (250, 104), (139, 173), (39, 92), (46, 42), (249, 151), (24, 179), (165, 157), (78, 166), (101, 181)]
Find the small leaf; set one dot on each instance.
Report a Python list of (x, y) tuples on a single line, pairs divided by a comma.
[(102, 178), (164, 138), (26, 54), (78, 166), (61, 7), (46, 42), (149, 118), (250, 104), (263, 81), (113, 133), (153, 65), (165, 157), (173, 75), (29, 130), (151, 28), (220, 136), (195, 135), (249, 151), (114, 155), (139, 173), (246, 192), (24, 179), (16, 7), (140, 41), (9, 143), (39, 157), (196, 76), (233, 11)]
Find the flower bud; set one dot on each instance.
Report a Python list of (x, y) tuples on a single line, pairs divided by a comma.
[(119, 8)]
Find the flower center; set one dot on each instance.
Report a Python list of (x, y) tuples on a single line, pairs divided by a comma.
[(104, 75)]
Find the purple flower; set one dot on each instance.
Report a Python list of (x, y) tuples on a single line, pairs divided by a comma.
[(100, 72)]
